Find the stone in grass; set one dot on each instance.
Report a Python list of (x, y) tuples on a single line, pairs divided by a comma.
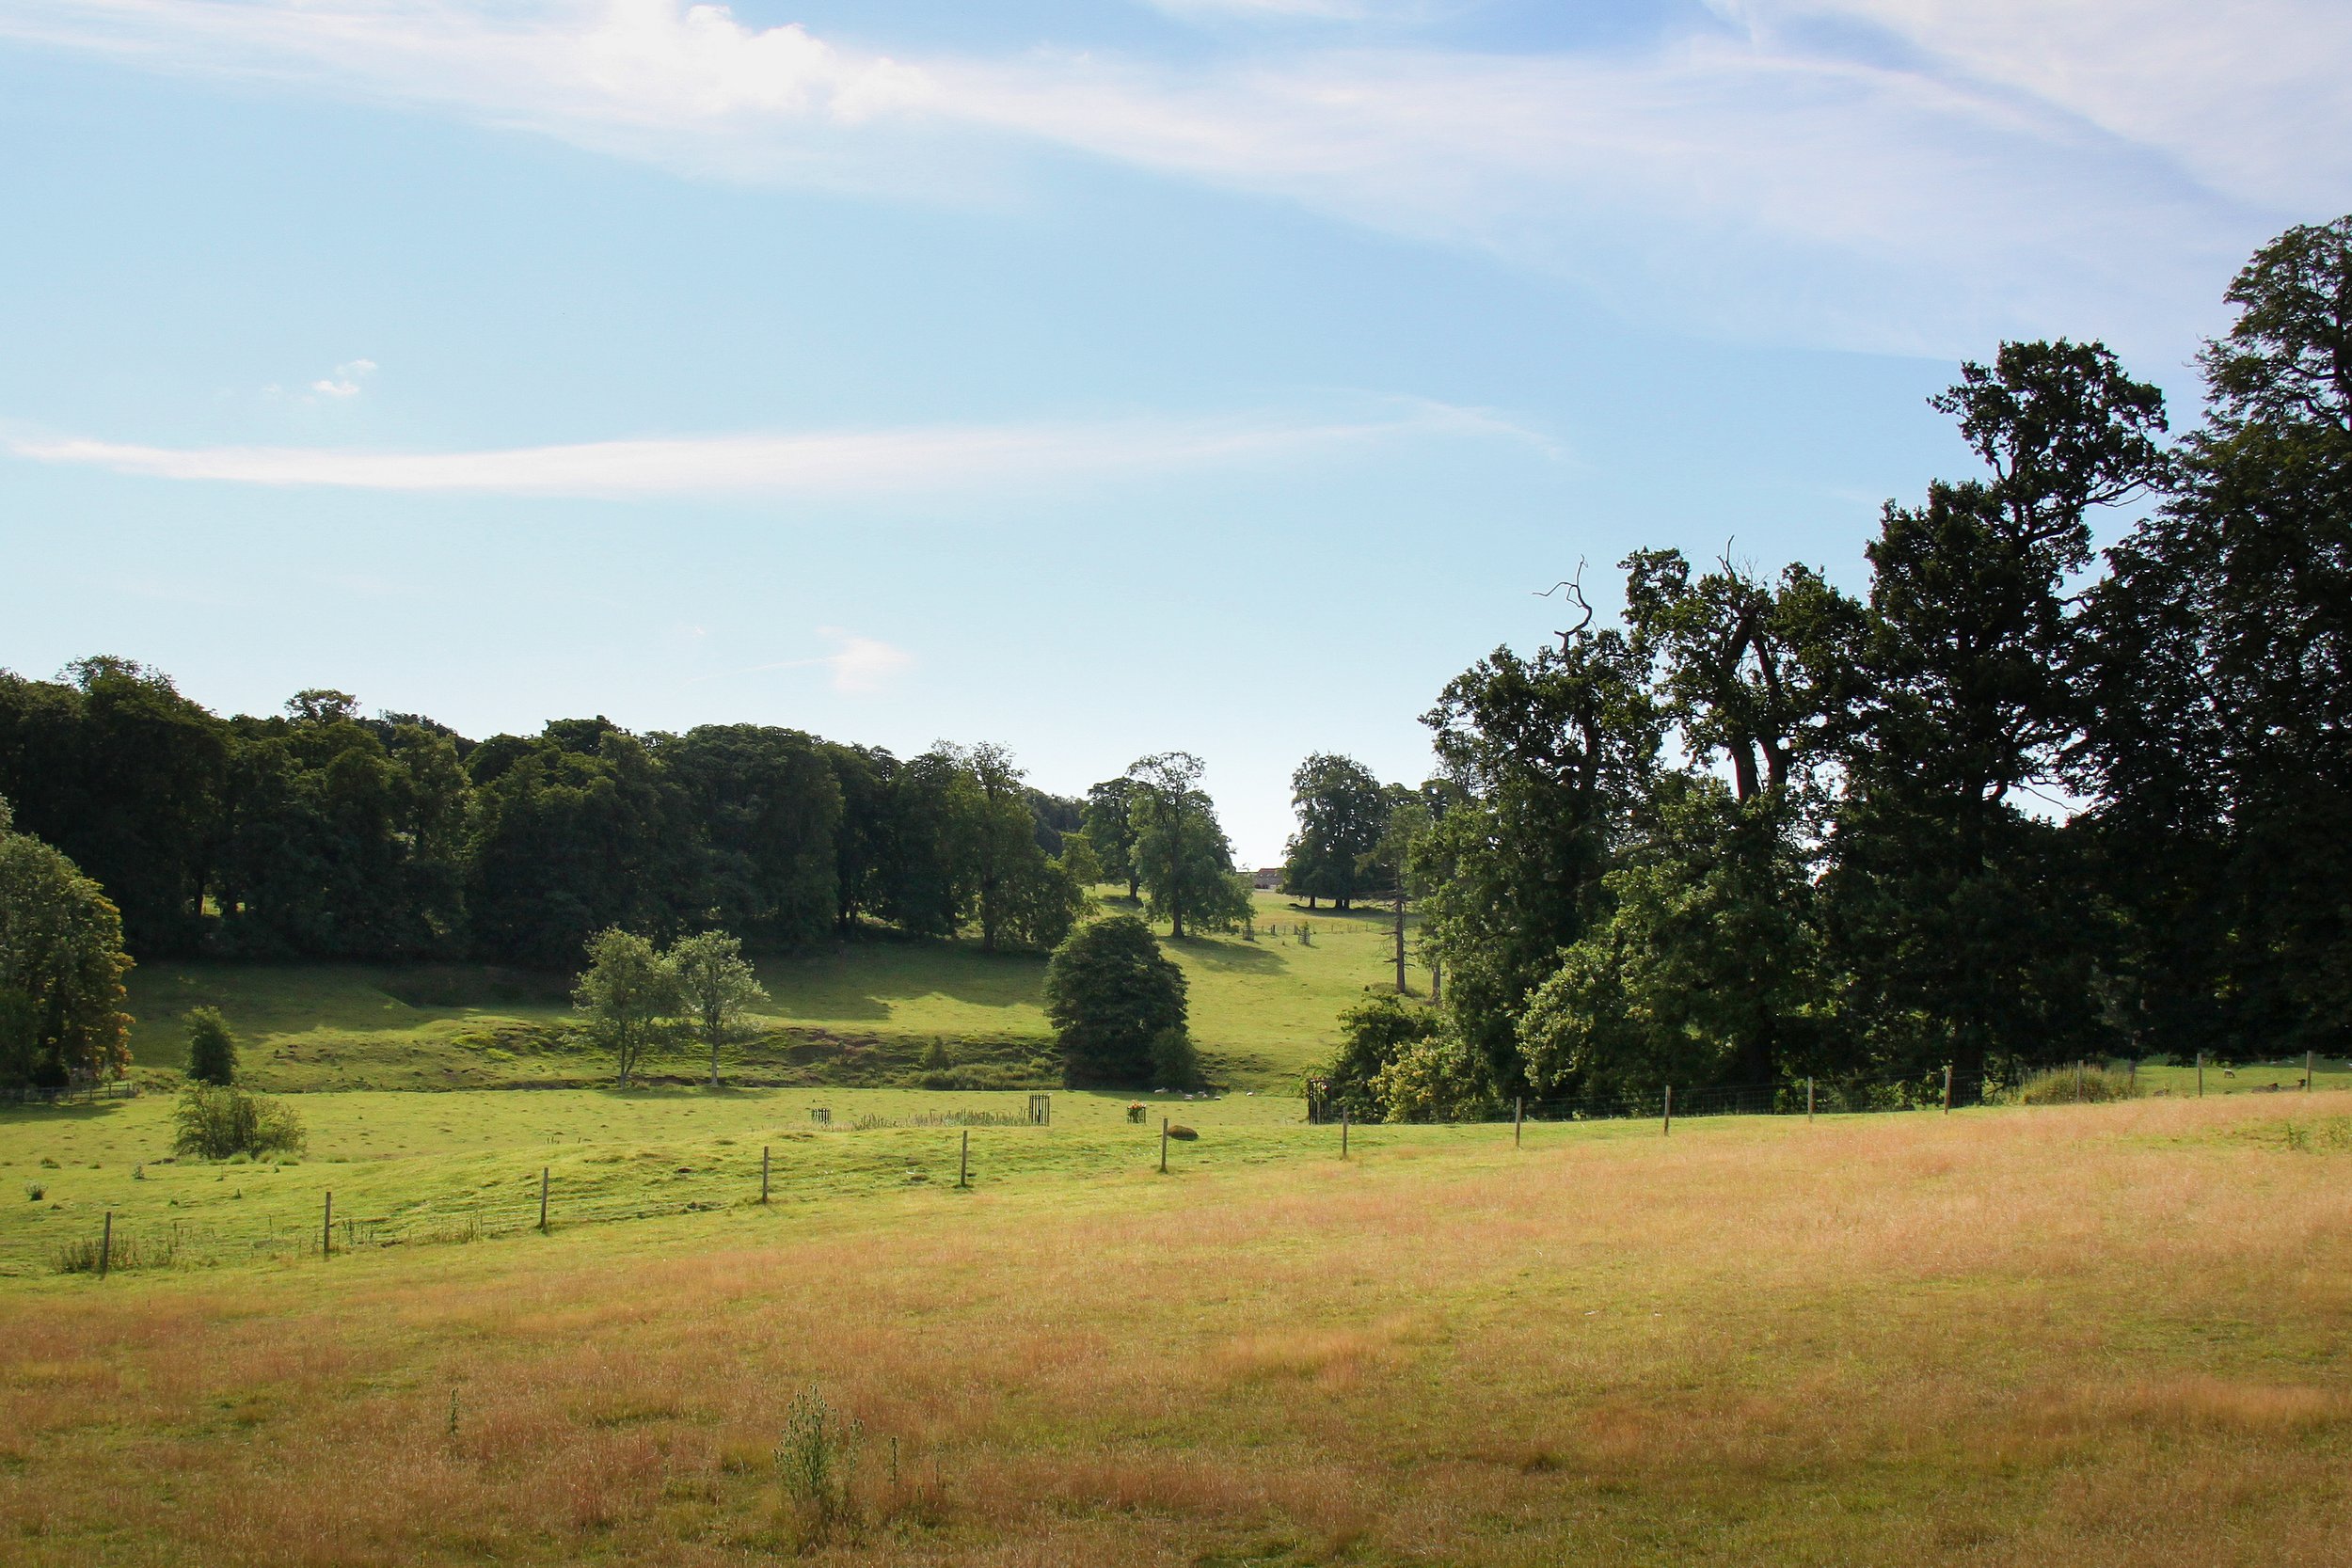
[(1184, 1133)]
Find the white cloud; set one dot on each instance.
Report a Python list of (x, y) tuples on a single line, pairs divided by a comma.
[(863, 664), (1881, 173), (860, 666), (840, 463)]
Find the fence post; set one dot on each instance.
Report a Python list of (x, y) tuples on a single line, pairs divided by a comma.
[(963, 1161), (1518, 1119), (2079, 1083), (2310, 1059), (543, 1200), (1808, 1100), (763, 1173), (1164, 1145), (326, 1228), (1343, 1132), (107, 1244), (2200, 1076), (1947, 1089), (1670, 1111)]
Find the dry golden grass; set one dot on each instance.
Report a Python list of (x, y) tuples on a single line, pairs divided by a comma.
[(2103, 1337)]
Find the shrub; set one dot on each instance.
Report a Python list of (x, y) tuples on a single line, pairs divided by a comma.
[(1175, 1065), (1373, 1034), (212, 1051), (1109, 993), (2058, 1085), (1434, 1079), (219, 1121)]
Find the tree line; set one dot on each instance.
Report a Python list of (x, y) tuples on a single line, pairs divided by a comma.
[(2019, 802), (321, 833)]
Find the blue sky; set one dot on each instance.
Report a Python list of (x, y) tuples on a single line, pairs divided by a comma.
[(1097, 379)]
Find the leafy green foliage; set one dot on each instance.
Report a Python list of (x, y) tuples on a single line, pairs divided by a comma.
[(1342, 813), (61, 968), (1181, 854), (1707, 966), (219, 1121), (715, 987), (1175, 1063), (212, 1050), (1373, 1033), (1110, 995), (628, 995)]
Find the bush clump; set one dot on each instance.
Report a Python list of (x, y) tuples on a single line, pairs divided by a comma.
[(2066, 1085), (219, 1121)]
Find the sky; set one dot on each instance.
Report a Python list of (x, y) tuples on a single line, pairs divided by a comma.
[(1095, 379)]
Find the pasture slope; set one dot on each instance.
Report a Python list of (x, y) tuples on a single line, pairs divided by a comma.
[(2099, 1336), (870, 1014)]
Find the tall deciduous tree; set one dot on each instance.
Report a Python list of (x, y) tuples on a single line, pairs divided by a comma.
[(1960, 919), (1341, 812), (1181, 854), (2222, 727), (1110, 829), (716, 987), (1546, 757), (61, 968)]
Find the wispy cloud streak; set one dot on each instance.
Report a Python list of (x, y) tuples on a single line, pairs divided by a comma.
[(836, 463)]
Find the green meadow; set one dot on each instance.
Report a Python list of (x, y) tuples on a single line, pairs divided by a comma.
[(868, 1014)]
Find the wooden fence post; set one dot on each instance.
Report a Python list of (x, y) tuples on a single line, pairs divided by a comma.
[(543, 1200), (2079, 1083), (1164, 1145), (1343, 1132), (107, 1244), (2200, 1076), (1670, 1111), (326, 1228), (763, 1173), (1809, 1099), (963, 1161), (2311, 1060), (1518, 1119), (1947, 1089)]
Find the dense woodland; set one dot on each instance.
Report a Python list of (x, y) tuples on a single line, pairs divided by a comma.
[(2019, 802), (320, 833)]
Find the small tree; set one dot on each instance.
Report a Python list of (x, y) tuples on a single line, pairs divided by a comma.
[(627, 995), (716, 985), (1109, 993), (61, 968), (212, 1051)]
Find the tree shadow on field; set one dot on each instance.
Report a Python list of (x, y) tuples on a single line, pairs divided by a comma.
[(1230, 953), (75, 1112)]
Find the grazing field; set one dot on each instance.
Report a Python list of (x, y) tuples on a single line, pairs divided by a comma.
[(870, 1014), (2109, 1335)]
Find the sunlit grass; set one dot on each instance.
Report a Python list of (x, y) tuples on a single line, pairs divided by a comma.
[(2106, 1336), (1263, 1011)]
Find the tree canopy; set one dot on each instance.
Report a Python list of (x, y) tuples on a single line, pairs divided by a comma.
[(1111, 995), (61, 968)]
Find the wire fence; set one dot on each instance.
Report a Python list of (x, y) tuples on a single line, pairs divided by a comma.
[(604, 1188)]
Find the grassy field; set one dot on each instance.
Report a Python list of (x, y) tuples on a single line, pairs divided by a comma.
[(2114, 1335), (872, 1014)]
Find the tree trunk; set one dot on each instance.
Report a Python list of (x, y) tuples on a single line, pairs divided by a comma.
[(1400, 942)]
